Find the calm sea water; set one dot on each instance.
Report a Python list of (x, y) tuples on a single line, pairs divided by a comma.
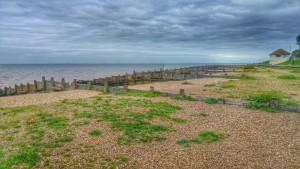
[(24, 73)]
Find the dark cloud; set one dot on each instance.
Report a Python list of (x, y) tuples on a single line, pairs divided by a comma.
[(140, 30)]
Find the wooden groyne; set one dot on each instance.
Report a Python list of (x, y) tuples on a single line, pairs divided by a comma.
[(51, 85)]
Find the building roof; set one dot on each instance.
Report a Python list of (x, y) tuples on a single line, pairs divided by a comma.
[(280, 52)]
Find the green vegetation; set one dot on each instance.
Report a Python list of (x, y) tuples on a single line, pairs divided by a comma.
[(291, 62), (211, 100), (295, 71), (265, 96), (288, 77), (142, 94), (185, 97), (227, 84), (265, 62), (31, 133), (25, 156), (184, 143), (296, 53), (203, 137), (95, 132), (250, 68)]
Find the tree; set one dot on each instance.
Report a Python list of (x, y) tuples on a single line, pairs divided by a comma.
[(296, 53), (298, 38)]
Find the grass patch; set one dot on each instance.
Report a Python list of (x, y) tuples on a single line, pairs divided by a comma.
[(183, 142), (265, 96), (186, 83), (295, 71), (27, 157), (85, 115), (159, 138), (57, 122), (95, 132), (142, 94), (203, 137), (290, 62), (227, 84), (265, 62), (185, 97), (288, 77), (211, 100)]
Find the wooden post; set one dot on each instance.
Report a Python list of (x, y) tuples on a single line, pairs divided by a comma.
[(16, 88), (125, 87), (210, 74), (181, 92), (52, 82), (134, 77), (63, 84), (10, 90), (226, 76), (89, 85), (143, 77), (22, 87), (28, 88), (106, 87), (6, 91), (151, 88), (44, 85), (35, 86), (74, 84)]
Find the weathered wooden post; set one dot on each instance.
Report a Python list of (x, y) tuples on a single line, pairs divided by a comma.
[(35, 86), (151, 88), (210, 74), (125, 87), (21, 87), (126, 78), (10, 90), (28, 88), (74, 84), (89, 85), (16, 88), (226, 76), (143, 77), (6, 91), (106, 87), (63, 84), (52, 84), (44, 85), (181, 92), (134, 77)]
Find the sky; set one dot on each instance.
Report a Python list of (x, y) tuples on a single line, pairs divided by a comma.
[(146, 31)]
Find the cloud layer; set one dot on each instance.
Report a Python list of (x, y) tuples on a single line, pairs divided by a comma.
[(140, 31)]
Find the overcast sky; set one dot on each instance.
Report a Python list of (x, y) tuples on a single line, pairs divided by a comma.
[(146, 31)]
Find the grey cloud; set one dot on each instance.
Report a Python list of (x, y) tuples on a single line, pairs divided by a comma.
[(101, 28)]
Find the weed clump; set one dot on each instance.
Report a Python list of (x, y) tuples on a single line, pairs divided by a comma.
[(95, 132), (185, 97), (211, 100), (203, 137), (288, 77), (186, 83)]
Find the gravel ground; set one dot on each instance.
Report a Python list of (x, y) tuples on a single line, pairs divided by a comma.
[(44, 98), (256, 140), (196, 86)]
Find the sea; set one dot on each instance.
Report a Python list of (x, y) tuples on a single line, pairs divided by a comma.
[(11, 74)]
